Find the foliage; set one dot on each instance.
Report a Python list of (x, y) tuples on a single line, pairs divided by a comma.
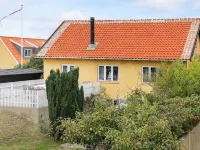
[(178, 79), (156, 120), (144, 124), (64, 96), (34, 63)]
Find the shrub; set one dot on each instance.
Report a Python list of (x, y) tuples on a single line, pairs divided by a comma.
[(143, 124), (64, 97), (178, 79), (155, 120), (34, 63), (63, 94)]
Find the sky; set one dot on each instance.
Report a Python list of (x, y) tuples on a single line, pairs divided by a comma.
[(40, 18)]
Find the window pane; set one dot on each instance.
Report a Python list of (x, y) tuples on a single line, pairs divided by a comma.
[(108, 73), (25, 53), (29, 52), (153, 73), (101, 72), (64, 68), (71, 68), (145, 74), (115, 73)]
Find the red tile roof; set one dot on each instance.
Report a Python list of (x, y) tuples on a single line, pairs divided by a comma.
[(8, 41), (144, 39)]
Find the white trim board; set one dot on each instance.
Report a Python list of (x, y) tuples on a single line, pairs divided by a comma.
[(111, 73), (31, 44)]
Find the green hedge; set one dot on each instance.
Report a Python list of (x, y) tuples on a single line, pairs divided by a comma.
[(63, 94)]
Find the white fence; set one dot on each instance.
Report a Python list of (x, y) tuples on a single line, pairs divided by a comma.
[(22, 84), (19, 97), (91, 88), (23, 98)]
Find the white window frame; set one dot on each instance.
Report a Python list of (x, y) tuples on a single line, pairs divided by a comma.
[(27, 53), (111, 73), (68, 66), (149, 73)]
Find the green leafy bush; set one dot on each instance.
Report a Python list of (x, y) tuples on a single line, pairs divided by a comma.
[(34, 63), (178, 79), (143, 124), (156, 120)]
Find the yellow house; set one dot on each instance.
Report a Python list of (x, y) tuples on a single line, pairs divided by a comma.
[(120, 54), (10, 50)]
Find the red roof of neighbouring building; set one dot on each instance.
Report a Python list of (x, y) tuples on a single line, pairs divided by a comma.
[(168, 39), (27, 42)]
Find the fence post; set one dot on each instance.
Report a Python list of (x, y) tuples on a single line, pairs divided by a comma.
[(11, 94), (37, 99)]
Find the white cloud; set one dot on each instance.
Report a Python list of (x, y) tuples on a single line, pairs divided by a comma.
[(73, 15), (161, 4), (197, 5)]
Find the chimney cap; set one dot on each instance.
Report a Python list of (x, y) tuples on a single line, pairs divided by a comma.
[(92, 18)]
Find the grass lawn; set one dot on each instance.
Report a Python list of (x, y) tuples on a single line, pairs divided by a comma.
[(18, 133)]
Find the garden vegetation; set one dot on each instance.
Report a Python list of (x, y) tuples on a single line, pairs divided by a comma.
[(157, 120)]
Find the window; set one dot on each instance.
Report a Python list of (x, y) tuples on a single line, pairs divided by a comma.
[(67, 67), (148, 74), (108, 73), (27, 52)]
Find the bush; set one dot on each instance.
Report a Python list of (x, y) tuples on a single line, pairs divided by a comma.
[(156, 120), (64, 97), (178, 79), (63, 94), (34, 63), (148, 122)]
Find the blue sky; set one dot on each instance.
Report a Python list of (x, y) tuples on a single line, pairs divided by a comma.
[(42, 17)]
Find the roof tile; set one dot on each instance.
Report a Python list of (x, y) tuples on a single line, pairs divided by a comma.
[(8, 41), (122, 40)]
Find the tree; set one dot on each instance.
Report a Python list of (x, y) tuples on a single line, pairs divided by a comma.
[(34, 63), (178, 79), (63, 94)]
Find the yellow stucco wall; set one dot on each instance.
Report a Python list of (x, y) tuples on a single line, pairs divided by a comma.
[(6, 60), (130, 73)]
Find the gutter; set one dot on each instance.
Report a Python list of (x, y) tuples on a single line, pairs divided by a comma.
[(126, 59)]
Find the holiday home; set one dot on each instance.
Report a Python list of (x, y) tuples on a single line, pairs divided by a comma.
[(120, 54)]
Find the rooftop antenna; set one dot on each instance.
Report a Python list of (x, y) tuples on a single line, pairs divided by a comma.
[(21, 31)]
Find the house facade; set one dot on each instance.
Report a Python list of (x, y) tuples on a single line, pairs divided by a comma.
[(120, 54), (10, 50)]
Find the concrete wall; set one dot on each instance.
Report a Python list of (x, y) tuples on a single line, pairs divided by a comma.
[(37, 115), (192, 140)]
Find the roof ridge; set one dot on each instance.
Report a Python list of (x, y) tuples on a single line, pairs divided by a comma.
[(138, 20)]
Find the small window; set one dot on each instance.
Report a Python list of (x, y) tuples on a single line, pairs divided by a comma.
[(27, 52), (108, 73), (148, 74), (67, 67)]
